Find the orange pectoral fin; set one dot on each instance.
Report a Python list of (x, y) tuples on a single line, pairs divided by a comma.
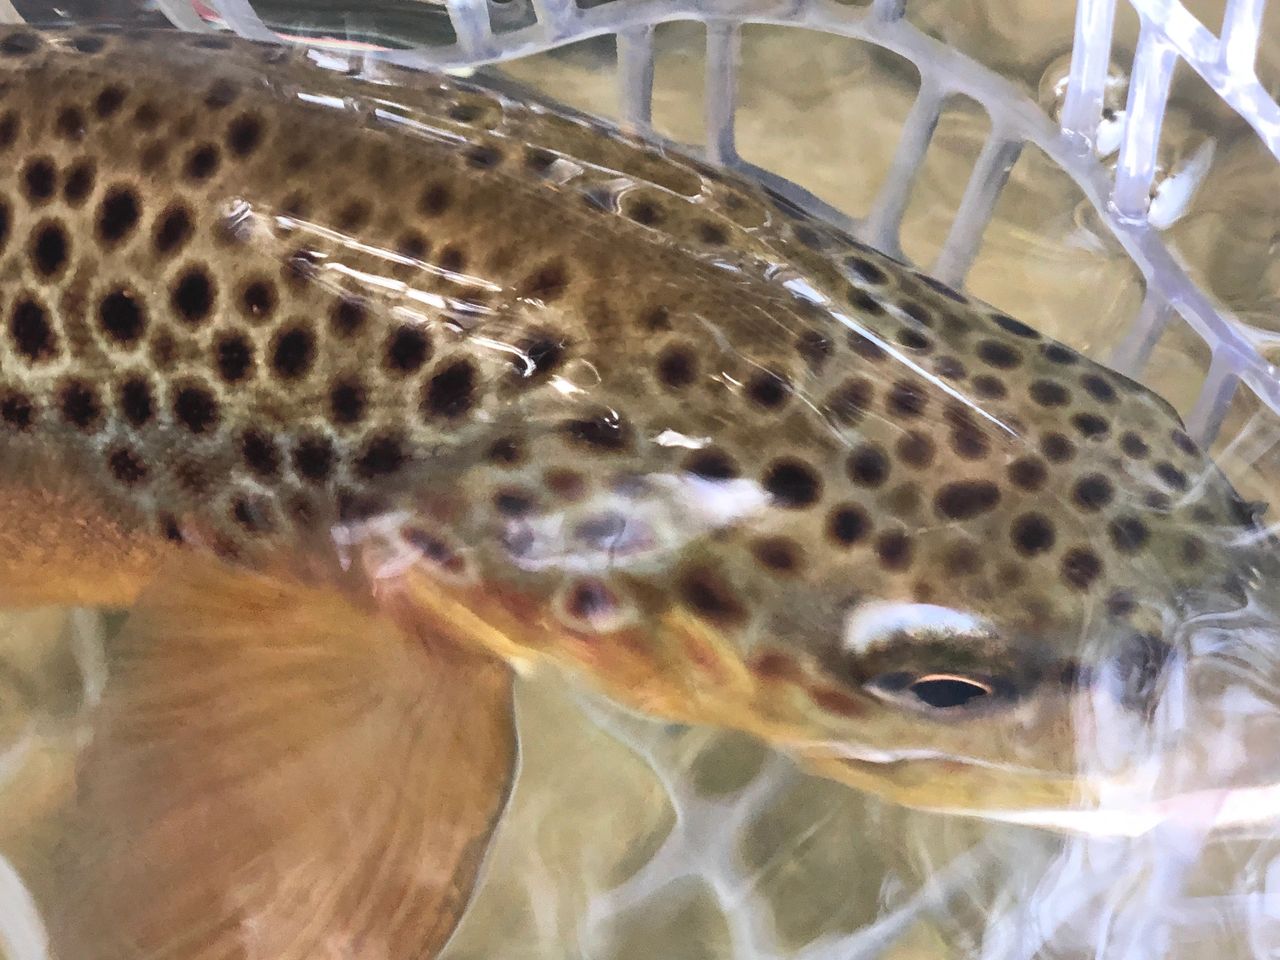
[(279, 773)]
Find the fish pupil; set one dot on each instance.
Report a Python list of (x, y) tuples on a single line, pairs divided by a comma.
[(943, 692)]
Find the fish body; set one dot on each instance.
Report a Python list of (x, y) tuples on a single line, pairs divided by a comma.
[(553, 393)]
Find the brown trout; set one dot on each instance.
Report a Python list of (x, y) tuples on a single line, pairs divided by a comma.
[(363, 391)]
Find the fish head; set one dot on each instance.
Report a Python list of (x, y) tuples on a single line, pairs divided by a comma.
[(959, 603)]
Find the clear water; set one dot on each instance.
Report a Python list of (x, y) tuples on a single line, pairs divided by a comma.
[(627, 839)]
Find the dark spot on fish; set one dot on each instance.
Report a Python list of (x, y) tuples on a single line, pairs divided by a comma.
[(768, 389), (32, 334), (1057, 448), (435, 200), (605, 431), (244, 134), (966, 499), (1098, 388), (546, 284), (48, 249), (1133, 445), (88, 43), (937, 286), (69, 124), (950, 368), (712, 234), (202, 162), (1016, 327), (778, 554), (234, 357), (349, 315), (196, 409), (483, 157), (173, 229), (1090, 425), (656, 319), (382, 456), (989, 387), (17, 410), (451, 392), (79, 404), (1093, 492), (917, 313), (539, 161), (1028, 473), (709, 597), (893, 549), (1184, 442), (864, 347), (868, 466), (313, 458), (861, 300), (346, 402), (969, 442), (643, 212), (293, 352), (221, 93), (118, 214), (506, 452), (848, 524), (127, 467), (252, 514), (1057, 353), (791, 484), (849, 403), (1080, 567), (192, 295), (407, 349), (677, 367), (1171, 476), (260, 454), (916, 449), (866, 271), (122, 317), (108, 101), (711, 464), (39, 180), (1050, 393), (1033, 534), (913, 340), (905, 399), (589, 600), (19, 44), (998, 355)]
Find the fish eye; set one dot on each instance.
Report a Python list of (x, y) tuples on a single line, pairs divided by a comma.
[(943, 691), (940, 691)]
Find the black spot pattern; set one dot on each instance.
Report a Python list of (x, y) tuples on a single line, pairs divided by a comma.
[(122, 317), (792, 484), (965, 499), (193, 295), (118, 214), (33, 336), (49, 249), (868, 466)]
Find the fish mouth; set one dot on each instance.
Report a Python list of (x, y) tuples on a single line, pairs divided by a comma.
[(1060, 803), (957, 785)]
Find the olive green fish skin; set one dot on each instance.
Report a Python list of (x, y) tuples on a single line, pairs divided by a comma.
[(246, 300)]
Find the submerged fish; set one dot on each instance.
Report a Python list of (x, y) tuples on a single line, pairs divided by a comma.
[(363, 391)]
